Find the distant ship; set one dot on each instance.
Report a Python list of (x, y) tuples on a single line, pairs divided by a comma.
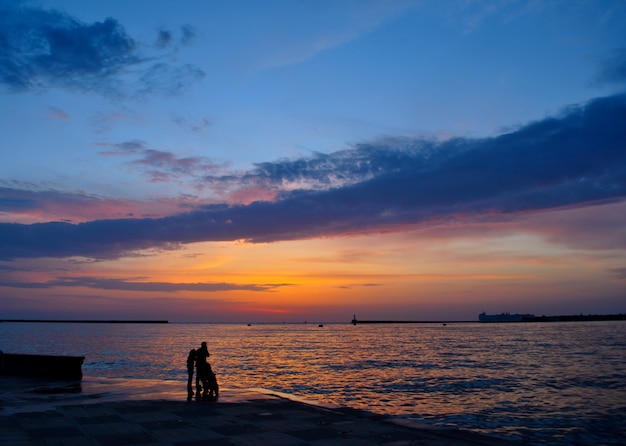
[(504, 317)]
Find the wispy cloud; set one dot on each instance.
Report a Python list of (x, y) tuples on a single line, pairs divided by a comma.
[(571, 160), (160, 165), (270, 181), (336, 23), (130, 147), (195, 126), (618, 273), (100, 283), (42, 49), (57, 113), (165, 166), (189, 34), (164, 38), (359, 285), (162, 78)]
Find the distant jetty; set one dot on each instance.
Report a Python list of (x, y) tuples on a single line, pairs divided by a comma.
[(355, 322), (87, 321)]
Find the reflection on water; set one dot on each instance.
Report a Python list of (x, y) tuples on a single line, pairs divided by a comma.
[(560, 383)]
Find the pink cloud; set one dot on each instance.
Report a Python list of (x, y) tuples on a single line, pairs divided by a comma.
[(595, 227), (57, 113), (247, 195)]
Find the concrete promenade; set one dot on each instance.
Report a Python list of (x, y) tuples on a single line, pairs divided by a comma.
[(145, 412)]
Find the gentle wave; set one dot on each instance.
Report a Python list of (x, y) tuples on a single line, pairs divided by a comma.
[(556, 383)]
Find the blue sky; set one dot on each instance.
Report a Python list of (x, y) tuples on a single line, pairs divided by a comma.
[(145, 129)]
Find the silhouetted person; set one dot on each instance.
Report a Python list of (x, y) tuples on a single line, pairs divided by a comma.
[(191, 362), (202, 355)]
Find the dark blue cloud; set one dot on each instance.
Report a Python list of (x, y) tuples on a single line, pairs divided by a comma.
[(188, 34), (12, 203), (41, 49), (164, 38), (13, 199), (574, 159), (129, 285), (329, 171), (324, 171)]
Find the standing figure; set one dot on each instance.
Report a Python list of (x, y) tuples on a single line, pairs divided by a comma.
[(191, 362), (202, 355)]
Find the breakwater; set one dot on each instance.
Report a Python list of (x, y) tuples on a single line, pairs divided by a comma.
[(87, 321), (355, 322)]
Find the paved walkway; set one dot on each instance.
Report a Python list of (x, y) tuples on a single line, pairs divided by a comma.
[(151, 415)]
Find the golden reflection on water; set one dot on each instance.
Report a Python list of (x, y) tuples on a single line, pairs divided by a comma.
[(503, 378)]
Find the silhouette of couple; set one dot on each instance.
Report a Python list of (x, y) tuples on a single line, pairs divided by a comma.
[(206, 382)]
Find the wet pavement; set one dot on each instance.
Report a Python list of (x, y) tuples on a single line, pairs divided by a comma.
[(147, 412)]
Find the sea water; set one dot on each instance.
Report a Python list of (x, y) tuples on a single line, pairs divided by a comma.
[(543, 383)]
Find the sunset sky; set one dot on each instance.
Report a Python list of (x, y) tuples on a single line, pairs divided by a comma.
[(259, 161)]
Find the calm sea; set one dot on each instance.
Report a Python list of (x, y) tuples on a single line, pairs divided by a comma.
[(555, 383)]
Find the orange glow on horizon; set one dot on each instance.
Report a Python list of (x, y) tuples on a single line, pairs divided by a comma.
[(414, 272)]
